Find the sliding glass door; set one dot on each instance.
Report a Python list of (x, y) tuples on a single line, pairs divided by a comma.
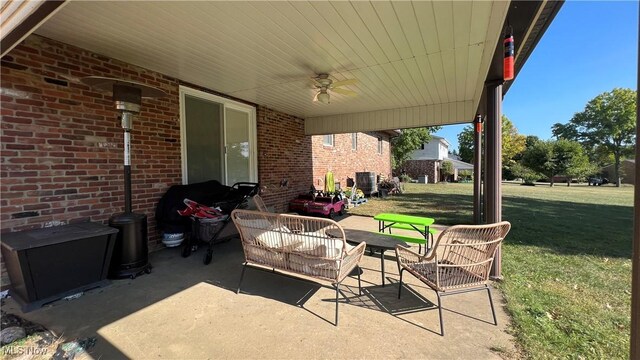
[(218, 139)]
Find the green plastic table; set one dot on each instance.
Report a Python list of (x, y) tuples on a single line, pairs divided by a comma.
[(417, 223)]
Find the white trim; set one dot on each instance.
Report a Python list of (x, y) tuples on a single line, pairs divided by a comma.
[(399, 118), (226, 103)]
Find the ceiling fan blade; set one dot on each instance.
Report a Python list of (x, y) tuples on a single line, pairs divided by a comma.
[(315, 97), (344, 83), (345, 92)]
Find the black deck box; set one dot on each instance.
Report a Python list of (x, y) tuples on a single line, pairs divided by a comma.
[(50, 263)]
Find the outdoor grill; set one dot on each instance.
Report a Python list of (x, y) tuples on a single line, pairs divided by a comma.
[(130, 254)]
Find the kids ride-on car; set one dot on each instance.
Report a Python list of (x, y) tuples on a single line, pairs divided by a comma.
[(327, 206)]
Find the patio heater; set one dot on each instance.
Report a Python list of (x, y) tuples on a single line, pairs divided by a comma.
[(130, 253)]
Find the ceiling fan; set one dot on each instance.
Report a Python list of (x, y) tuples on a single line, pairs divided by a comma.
[(323, 84)]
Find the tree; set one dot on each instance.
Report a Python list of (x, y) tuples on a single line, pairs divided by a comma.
[(526, 174), (571, 160), (465, 144), (606, 126), (446, 169), (407, 142), (559, 157), (513, 143)]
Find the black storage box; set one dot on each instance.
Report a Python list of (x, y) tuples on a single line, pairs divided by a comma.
[(50, 263)]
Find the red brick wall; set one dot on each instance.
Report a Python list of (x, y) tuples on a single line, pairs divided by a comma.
[(345, 162), (62, 142), (416, 168), (284, 156)]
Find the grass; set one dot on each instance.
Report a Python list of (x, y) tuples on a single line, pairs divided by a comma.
[(566, 262)]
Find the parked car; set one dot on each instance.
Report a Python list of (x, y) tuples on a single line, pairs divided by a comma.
[(327, 206), (301, 203), (596, 181)]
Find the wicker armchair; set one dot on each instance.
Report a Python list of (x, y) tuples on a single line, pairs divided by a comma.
[(459, 261), (297, 244), (260, 205)]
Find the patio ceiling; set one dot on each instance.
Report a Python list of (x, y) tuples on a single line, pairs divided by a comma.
[(423, 57)]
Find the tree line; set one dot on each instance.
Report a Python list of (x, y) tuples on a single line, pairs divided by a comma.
[(601, 134)]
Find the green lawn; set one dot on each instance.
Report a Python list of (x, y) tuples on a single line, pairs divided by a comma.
[(566, 262)]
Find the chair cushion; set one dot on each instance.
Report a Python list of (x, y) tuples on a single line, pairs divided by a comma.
[(320, 245)]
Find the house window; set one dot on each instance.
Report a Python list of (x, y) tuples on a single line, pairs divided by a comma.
[(422, 146), (328, 140), (218, 138), (379, 145), (354, 141)]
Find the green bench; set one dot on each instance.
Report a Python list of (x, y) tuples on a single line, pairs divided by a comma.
[(412, 239), (432, 231)]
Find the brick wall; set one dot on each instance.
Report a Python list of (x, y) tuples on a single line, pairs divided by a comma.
[(62, 142), (416, 168), (345, 162), (284, 157)]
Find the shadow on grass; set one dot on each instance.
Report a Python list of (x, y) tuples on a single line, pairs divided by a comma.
[(561, 226)]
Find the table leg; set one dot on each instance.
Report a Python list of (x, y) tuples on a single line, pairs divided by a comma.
[(382, 264)]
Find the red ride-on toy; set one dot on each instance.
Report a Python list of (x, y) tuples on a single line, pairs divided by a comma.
[(301, 203), (327, 206)]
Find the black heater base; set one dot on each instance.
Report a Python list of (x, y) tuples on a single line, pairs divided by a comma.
[(131, 252)]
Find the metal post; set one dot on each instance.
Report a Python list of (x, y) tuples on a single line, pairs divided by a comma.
[(477, 170), (493, 170), (127, 118), (635, 277)]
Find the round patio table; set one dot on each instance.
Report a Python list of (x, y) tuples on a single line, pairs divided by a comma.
[(374, 240)]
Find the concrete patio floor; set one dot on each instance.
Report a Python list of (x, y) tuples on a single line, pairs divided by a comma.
[(186, 310)]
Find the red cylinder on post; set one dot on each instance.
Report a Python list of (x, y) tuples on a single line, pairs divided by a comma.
[(509, 57)]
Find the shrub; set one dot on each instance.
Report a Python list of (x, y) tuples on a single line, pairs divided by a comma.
[(405, 178)]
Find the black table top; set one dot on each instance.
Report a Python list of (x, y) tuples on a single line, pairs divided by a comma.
[(373, 239)]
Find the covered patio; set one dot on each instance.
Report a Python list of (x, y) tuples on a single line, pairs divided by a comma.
[(417, 64), (186, 310)]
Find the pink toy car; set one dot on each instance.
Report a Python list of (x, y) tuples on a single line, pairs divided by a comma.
[(301, 203), (327, 206)]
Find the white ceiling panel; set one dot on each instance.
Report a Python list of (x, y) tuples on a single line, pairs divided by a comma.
[(415, 59)]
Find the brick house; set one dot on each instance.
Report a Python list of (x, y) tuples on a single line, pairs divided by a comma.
[(346, 154), (627, 168), (62, 144), (429, 158)]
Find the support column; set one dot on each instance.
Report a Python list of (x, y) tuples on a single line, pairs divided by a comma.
[(477, 170), (493, 170)]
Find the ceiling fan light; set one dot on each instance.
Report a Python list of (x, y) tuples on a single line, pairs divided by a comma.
[(323, 97)]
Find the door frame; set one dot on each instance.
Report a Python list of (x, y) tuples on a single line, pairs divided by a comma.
[(226, 103)]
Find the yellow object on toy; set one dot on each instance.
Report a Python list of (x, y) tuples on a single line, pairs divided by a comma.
[(329, 184)]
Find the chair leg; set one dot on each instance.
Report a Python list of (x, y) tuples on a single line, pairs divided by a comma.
[(440, 313), (359, 283), (244, 267), (400, 284), (493, 311), (337, 292)]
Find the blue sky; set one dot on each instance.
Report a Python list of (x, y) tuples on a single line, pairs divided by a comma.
[(590, 48)]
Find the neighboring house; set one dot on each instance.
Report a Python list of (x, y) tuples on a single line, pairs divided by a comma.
[(428, 161), (346, 154), (627, 171)]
